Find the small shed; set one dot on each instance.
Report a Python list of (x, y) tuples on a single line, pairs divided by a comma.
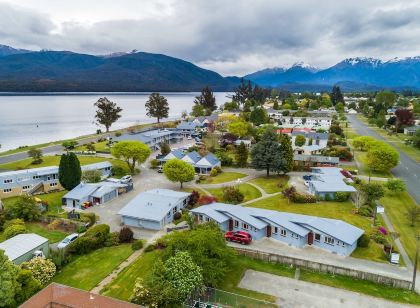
[(21, 247)]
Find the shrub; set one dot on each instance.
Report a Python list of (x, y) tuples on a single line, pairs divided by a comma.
[(154, 163), (118, 134), (25, 208), (363, 241), (13, 230), (119, 171), (125, 235), (137, 245), (303, 198), (91, 218), (379, 238), (365, 210), (224, 158), (195, 195), (177, 216), (94, 238), (112, 239), (231, 194), (327, 197), (213, 172), (13, 222), (91, 176), (42, 269), (341, 196), (289, 192), (149, 248), (382, 230), (218, 169), (205, 199)]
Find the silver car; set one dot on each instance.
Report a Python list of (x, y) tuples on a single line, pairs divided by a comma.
[(67, 240)]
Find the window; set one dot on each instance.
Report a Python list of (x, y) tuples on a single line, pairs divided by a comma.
[(8, 181), (236, 223), (54, 176), (53, 184), (174, 210), (7, 190), (317, 237), (245, 226), (275, 230), (207, 219), (35, 177), (283, 232), (200, 217), (26, 187), (329, 240), (169, 214)]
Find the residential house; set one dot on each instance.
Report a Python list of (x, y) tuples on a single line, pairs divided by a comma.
[(305, 162), (153, 209), (411, 130), (314, 144), (202, 164), (294, 230), (187, 128), (22, 247), (328, 181), (154, 137), (238, 142), (40, 180)]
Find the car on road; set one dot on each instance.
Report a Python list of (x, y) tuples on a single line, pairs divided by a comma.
[(67, 240), (239, 236), (126, 179)]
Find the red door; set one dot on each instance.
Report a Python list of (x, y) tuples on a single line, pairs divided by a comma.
[(230, 224), (268, 231), (310, 238)]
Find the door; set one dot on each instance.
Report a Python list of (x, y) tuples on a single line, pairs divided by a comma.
[(310, 238), (74, 203), (268, 231), (230, 224)]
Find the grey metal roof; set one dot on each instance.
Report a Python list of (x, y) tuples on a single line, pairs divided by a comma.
[(98, 190), (152, 204), (297, 223), (210, 158), (316, 158), (187, 125), (178, 153), (313, 135), (96, 166), (21, 244), (195, 157), (329, 179)]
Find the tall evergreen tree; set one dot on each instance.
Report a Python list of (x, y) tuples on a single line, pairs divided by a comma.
[(286, 153), (241, 155), (259, 116), (107, 113), (266, 153), (207, 100), (157, 106), (243, 92), (336, 96), (69, 171)]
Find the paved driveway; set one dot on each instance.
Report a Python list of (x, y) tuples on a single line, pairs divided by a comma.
[(295, 293)]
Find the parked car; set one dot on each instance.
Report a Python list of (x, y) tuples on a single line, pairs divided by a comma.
[(126, 179), (189, 138), (307, 177), (160, 169), (239, 237), (67, 240)]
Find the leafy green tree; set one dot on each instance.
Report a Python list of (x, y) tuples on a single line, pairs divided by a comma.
[(207, 100), (107, 112), (413, 214), (36, 155), (90, 147), (42, 269), (24, 208), (300, 140), (286, 151), (266, 154), (416, 139), (9, 284), (69, 171), (241, 155), (157, 106), (372, 192), (382, 158), (339, 107), (198, 111), (177, 170), (232, 194), (385, 99), (132, 152), (259, 116), (69, 144), (27, 285), (326, 100), (361, 142), (336, 96), (238, 128), (395, 185), (91, 176), (165, 148)]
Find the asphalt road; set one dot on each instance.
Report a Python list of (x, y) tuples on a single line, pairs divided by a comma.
[(407, 169)]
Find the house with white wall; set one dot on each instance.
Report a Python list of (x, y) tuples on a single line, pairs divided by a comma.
[(328, 181)]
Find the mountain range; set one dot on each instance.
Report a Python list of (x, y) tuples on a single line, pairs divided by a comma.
[(64, 71), (367, 74)]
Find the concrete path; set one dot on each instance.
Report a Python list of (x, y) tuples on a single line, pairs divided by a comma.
[(295, 293)]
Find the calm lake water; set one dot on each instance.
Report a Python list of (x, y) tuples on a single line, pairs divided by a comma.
[(35, 119)]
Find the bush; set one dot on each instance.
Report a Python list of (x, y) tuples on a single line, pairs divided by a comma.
[(213, 172), (90, 218), (137, 245), (231, 194), (42, 269), (379, 238), (366, 211), (112, 239), (25, 208), (205, 199), (195, 195), (303, 198), (118, 134), (94, 238), (13, 230), (119, 171), (218, 169), (327, 197), (125, 235), (13, 222), (154, 163), (150, 248), (177, 216), (363, 241), (224, 158), (341, 196)]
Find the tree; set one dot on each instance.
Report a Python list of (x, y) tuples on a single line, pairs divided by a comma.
[(259, 116), (132, 152), (395, 185), (243, 92), (177, 170), (416, 139), (266, 154), (241, 155), (238, 128), (198, 111), (207, 100), (286, 151), (24, 208), (36, 155), (184, 114), (165, 149), (27, 285), (69, 144), (300, 140), (157, 106), (91, 176), (69, 171), (336, 96), (42, 269), (326, 100), (413, 214), (339, 107), (405, 117), (382, 158), (107, 112), (384, 100), (9, 284), (90, 147), (232, 194), (361, 142), (183, 274), (372, 192)]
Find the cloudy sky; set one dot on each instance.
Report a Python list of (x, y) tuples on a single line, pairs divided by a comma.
[(231, 37)]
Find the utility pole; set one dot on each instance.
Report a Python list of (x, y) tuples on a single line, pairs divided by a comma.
[(413, 284)]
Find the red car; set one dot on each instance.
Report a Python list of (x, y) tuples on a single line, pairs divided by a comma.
[(239, 236)]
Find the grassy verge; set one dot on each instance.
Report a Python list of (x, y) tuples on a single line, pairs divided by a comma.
[(361, 158), (53, 199), (271, 184), (86, 271), (249, 192), (223, 178), (53, 236)]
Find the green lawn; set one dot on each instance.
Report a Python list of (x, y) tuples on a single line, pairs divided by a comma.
[(271, 184), (99, 146), (222, 177), (53, 236), (53, 199), (122, 286), (249, 191), (86, 271), (361, 157)]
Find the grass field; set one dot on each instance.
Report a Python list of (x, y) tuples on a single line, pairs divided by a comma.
[(99, 146), (223, 177), (271, 184), (361, 158), (53, 236), (249, 191), (53, 199), (86, 271)]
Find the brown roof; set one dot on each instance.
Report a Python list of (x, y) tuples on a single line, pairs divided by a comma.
[(57, 295)]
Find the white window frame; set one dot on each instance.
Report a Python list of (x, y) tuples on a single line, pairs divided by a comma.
[(7, 190), (8, 181), (26, 187), (283, 232), (329, 240), (245, 226), (236, 224)]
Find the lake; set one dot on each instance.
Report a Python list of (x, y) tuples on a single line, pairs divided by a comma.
[(35, 119)]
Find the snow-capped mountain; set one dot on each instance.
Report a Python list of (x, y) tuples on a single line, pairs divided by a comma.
[(359, 72)]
